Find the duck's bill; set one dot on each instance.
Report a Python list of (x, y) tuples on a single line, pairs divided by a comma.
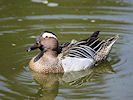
[(35, 46), (32, 48)]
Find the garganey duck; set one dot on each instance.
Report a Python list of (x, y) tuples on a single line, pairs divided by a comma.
[(70, 56)]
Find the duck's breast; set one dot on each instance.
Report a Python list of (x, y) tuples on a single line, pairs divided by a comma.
[(76, 64)]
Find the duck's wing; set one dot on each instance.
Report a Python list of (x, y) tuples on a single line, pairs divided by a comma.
[(82, 49), (79, 55), (91, 47)]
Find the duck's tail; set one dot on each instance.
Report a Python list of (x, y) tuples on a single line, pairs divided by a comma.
[(103, 52)]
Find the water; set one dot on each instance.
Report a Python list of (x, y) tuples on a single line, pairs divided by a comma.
[(20, 23)]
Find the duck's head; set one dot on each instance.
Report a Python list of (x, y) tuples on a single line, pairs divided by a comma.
[(45, 41)]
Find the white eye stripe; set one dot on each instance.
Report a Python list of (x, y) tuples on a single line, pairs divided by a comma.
[(48, 35)]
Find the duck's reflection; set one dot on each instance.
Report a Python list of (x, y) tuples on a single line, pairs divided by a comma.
[(49, 85), (50, 82)]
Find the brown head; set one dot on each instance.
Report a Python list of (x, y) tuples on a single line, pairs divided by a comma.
[(46, 42)]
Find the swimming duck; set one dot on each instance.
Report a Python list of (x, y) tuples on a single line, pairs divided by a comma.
[(69, 56)]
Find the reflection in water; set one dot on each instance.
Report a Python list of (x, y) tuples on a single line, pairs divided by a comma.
[(75, 81), (49, 85)]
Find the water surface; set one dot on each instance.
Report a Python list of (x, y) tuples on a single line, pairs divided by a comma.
[(20, 23)]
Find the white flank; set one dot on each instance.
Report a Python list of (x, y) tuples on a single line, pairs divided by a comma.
[(49, 35), (76, 64)]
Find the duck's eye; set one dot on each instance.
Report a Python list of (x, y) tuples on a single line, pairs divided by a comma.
[(46, 37)]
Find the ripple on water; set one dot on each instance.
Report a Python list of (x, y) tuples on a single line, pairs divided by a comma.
[(116, 18)]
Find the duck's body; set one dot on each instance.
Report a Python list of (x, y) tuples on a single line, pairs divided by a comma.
[(70, 56)]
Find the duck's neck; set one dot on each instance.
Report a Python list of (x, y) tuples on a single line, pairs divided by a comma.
[(50, 53), (46, 54)]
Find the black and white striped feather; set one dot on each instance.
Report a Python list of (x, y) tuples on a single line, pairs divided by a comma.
[(82, 49)]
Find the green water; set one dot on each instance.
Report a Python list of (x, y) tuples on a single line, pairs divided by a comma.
[(22, 20)]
